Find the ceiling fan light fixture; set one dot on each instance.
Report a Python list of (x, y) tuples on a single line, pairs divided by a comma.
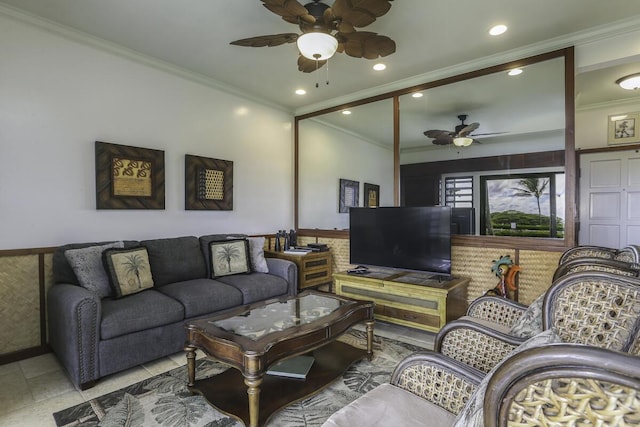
[(317, 46), (630, 82), (462, 141)]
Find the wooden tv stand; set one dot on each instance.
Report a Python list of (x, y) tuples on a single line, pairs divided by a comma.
[(407, 298)]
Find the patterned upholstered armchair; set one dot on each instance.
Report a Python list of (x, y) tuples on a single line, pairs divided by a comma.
[(547, 384), (568, 385), (630, 253), (600, 309)]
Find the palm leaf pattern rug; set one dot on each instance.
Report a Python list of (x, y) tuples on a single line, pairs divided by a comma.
[(165, 400)]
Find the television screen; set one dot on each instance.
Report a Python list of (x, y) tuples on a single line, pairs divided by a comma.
[(410, 238), (463, 221)]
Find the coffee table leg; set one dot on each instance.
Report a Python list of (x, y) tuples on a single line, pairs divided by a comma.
[(191, 365), (253, 391), (369, 324)]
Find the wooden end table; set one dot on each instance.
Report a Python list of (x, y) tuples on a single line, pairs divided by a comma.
[(252, 338)]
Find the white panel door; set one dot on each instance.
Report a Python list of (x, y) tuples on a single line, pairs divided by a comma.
[(610, 199)]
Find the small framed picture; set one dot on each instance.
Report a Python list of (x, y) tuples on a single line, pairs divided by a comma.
[(349, 195), (371, 195), (623, 128)]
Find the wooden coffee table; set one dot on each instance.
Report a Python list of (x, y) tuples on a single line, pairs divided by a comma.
[(252, 338)]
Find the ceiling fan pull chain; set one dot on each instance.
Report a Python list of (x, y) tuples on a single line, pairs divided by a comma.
[(327, 72)]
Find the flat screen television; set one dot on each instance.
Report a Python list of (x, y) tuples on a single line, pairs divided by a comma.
[(463, 221), (408, 238)]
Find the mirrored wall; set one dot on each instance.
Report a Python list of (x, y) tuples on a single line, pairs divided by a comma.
[(525, 126)]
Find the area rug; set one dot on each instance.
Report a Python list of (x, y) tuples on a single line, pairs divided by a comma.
[(164, 400)]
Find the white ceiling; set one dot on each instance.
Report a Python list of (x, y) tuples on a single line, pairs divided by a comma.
[(430, 35)]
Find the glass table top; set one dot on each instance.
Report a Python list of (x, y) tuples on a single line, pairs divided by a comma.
[(278, 316)]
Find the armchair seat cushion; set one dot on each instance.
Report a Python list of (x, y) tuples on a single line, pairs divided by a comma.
[(388, 405), (203, 296), (132, 313), (257, 286)]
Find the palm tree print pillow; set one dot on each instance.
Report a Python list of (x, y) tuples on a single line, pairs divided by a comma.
[(229, 257), (128, 270)]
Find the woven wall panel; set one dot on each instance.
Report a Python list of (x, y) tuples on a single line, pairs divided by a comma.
[(536, 274), (19, 303)]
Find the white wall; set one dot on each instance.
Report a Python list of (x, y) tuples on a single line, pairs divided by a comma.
[(328, 155), (58, 96)]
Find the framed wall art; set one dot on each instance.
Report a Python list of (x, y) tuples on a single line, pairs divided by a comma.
[(623, 128), (349, 195), (129, 177), (371, 195), (208, 183)]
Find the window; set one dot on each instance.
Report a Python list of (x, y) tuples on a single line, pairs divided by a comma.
[(530, 205), (458, 192)]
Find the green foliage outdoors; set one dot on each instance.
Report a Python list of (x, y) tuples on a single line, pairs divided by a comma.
[(527, 224)]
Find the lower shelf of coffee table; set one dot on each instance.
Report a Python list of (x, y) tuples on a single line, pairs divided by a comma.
[(228, 393)]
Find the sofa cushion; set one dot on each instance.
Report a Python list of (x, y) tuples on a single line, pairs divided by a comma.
[(388, 405), (256, 286), (256, 249), (138, 312), (88, 267), (175, 259), (530, 322), (203, 296), (128, 270), (206, 240), (229, 257)]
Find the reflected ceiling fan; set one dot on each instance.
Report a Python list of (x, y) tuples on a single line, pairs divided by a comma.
[(327, 29), (462, 135)]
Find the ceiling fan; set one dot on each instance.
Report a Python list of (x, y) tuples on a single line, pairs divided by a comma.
[(332, 28), (462, 135)]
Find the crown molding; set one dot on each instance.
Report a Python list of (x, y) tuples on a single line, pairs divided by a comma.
[(130, 54)]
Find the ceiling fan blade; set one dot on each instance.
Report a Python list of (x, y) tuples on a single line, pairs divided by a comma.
[(436, 133), (365, 44), (442, 141), (271, 40), (488, 134), (307, 65), (360, 13), (468, 129), (290, 10)]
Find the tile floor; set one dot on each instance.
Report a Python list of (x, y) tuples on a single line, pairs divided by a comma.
[(32, 390)]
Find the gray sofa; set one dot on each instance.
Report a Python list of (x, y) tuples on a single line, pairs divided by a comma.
[(94, 336)]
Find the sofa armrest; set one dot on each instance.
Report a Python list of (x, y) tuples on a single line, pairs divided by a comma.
[(74, 315), (496, 309), (285, 269), (475, 344), (437, 378)]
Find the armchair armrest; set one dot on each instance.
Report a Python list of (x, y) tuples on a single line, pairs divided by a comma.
[(285, 269), (439, 379), (589, 251), (74, 315), (475, 344), (581, 385), (496, 309)]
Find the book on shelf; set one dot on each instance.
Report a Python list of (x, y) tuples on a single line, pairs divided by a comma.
[(294, 367)]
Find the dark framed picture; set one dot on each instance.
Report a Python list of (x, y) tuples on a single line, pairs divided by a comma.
[(623, 129), (371, 195), (208, 183), (349, 195), (129, 177)]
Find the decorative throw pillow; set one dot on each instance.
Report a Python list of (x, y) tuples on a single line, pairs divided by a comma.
[(229, 257), (473, 415), (87, 265), (530, 323), (258, 263), (129, 270)]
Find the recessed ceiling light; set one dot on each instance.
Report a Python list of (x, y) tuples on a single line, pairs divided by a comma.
[(515, 72), (630, 82), (379, 67), (301, 92), (346, 112), (497, 30), (417, 95)]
